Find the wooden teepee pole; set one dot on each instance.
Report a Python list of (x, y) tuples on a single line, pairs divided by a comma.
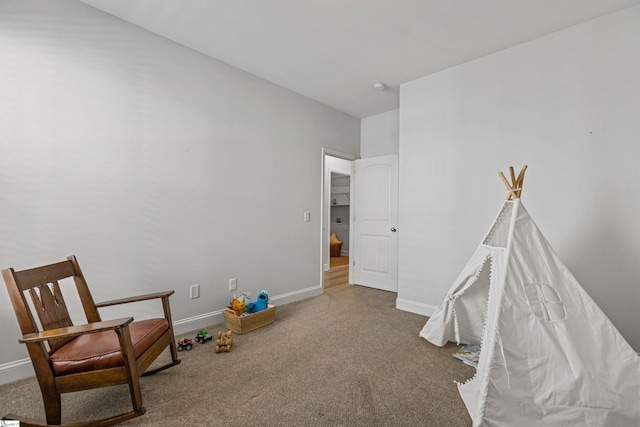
[(515, 187)]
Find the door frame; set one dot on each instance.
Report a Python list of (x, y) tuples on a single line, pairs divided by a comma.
[(325, 206)]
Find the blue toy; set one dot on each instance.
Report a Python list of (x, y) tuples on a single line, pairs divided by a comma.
[(260, 303)]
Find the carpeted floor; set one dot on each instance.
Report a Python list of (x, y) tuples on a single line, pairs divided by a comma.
[(345, 358)]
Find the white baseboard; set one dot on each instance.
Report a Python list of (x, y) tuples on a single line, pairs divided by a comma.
[(299, 295), (16, 370), (194, 323), (415, 307), (19, 369)]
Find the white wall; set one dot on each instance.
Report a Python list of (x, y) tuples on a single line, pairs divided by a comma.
[(568, 105), (158, 167), (379, 134)]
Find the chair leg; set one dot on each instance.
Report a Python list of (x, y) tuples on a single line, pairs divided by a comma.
[(52, 408), (173, 347), (172, 338), (136, 395), (131, 367)]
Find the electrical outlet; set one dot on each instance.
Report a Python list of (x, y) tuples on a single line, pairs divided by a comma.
[(194, 291), (233, 284)]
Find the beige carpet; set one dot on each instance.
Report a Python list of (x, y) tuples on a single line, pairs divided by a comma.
[(345, 358)]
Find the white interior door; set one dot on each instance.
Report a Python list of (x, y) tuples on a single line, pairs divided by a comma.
[(375, 222)]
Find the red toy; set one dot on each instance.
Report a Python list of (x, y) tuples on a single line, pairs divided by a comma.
[(185, 344)]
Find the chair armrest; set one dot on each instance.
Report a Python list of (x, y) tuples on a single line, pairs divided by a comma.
[(76, 330), (146, 297)]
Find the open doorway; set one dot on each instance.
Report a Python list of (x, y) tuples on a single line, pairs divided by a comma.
[(339, 231), (336, 218)]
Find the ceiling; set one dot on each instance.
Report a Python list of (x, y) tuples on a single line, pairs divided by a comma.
[(333, 51)]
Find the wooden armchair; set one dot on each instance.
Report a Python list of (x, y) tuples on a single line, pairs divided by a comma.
[(69, 358)]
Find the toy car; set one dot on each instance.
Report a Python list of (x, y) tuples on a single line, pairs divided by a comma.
[(185, 344), (203, 336)]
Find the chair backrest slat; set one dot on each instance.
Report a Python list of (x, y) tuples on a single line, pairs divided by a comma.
[(51, 309), (34, 277)]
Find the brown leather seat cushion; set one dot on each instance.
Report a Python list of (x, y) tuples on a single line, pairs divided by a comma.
[(102, 349)]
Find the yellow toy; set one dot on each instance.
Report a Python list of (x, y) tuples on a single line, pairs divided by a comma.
[(238, 306), (224, 342)]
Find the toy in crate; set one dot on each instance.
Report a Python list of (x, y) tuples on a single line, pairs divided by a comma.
[(243, 316)]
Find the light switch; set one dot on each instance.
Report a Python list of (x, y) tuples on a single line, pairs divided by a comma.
[(307, 216)]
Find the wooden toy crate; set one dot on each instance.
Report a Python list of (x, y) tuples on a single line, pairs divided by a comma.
[(249, 322)]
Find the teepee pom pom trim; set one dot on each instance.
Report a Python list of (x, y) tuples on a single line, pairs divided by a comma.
[(457, 295), (467, 381)]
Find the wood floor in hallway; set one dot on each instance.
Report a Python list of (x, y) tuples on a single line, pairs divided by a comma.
[(338, 273)]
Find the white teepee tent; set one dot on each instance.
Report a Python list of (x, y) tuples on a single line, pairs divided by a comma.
[(549, 355)]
